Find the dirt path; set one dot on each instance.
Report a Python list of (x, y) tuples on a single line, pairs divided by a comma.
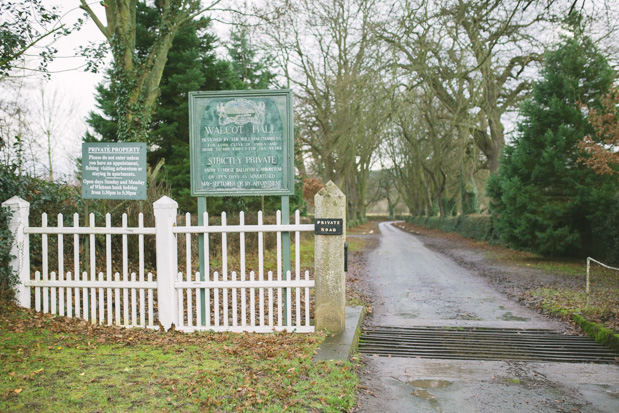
[(427, 281)]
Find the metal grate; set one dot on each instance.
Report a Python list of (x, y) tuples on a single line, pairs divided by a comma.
[(477, 343)]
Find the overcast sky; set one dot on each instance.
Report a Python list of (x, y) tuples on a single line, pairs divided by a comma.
[(67, 69)]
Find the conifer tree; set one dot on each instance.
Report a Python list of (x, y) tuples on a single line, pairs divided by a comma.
[(251, 71), (543, 199)]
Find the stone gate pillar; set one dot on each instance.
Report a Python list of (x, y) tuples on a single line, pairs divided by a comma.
[(330, 221)]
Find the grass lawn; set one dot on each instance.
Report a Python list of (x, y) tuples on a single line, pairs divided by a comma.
[(58, 364)]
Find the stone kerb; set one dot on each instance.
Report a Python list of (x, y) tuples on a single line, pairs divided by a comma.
[(20, 250), (330, 312)]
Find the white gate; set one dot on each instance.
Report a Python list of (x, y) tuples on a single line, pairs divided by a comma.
[(255, 299)]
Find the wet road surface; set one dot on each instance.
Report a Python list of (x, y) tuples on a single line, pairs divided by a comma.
[(414, 286)]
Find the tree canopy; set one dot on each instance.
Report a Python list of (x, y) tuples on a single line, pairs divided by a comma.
[(24, 27), (543, 199)]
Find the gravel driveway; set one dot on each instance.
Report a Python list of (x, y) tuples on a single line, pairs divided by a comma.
[(426, 281)]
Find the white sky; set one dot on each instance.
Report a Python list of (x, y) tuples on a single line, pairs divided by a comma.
[(67, 69)]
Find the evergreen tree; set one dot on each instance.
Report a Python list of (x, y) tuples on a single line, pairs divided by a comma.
[(253, 73), (193, 66), (543, 199)]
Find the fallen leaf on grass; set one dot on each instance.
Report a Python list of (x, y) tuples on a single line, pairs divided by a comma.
[(17, 391)]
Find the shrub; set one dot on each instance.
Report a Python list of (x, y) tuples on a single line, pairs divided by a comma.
[(43, 196), (478, 227)]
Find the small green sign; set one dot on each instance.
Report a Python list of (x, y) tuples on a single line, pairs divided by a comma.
[(114, 171), (241, 143)]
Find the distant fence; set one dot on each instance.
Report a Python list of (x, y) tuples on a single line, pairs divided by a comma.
[(588, 280)]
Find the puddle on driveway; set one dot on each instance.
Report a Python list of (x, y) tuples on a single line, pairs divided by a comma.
[(430, 384), (407, 316), (508, 316), (422, 391)]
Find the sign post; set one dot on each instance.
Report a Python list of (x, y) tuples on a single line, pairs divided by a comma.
[(241, 144)]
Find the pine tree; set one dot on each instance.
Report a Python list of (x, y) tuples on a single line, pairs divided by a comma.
[(251, 71), (543, 199)]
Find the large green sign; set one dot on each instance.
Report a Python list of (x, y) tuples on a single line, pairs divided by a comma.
[(241, 143), (114, 171)]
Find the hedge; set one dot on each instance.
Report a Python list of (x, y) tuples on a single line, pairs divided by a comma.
[(478, 227)]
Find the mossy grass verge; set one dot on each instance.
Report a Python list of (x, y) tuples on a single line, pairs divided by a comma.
[(51, 363), (598, 332), (569, 304)]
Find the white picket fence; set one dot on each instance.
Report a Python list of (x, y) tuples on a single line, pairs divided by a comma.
[(257, 301), (229, 297), (98, 297)]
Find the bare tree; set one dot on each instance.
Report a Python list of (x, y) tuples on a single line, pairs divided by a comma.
[(428, 156), (54, 116), (16, 137), (476, 52), (327, 53)]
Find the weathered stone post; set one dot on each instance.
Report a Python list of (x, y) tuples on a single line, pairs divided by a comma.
[(20, 250), (167, 300), (330, 278)]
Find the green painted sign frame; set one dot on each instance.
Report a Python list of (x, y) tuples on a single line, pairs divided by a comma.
[(114, 170), (241, 143)]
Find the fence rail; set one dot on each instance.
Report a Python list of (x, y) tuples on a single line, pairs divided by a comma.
[(239, 304), (229, 291)]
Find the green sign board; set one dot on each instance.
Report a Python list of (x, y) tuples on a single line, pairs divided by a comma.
[(114, 171), (241, 143)]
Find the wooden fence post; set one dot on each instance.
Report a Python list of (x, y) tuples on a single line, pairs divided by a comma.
[(330, 277), (20, 250), (167, 265)]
